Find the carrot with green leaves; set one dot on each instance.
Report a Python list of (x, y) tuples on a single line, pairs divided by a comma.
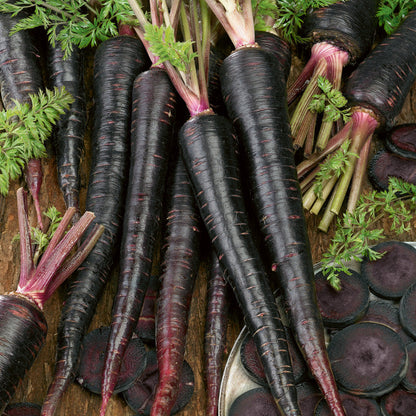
[(254, 90), (23, 325), (210, 153)]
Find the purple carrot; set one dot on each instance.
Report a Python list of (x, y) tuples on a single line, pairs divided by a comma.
[(70, 129), (116, 63), (152, 132), (180, 263), (215, 334), (21, 76), (23, 325), (254, 90)]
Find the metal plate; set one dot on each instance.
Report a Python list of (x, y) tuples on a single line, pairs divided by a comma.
[(235, 380)]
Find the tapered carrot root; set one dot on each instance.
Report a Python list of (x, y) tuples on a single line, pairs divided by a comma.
[(254, 91), (180, 263), (215, 333), (116, 63), (209, 150), (153, 120)]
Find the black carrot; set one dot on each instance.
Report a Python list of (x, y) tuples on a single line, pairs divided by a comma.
[(215, 333), (209, 150), (23, 325), (341, 34), (117, 62), (152, 131), (70, 129), (20, 76), (180, 264), (254, 90), (208, 147)]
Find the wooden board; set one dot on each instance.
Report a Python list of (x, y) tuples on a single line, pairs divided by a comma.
[(76, 400)]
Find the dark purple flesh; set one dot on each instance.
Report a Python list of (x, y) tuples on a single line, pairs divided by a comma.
[(139, 397), (409, 381), (384, 165), (343, 307), (353, 405), (391, 275), (22, 409), (90, 370), (255, 402), (407, 311), (401, 140), (252, 364), (387, 313), (399, 403), (308, 397), (367, 359)]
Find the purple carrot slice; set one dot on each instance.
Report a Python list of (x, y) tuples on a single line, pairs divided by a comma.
[(385, 164), (398, 403), (387, 313), (257, 401), (353, 405), (252, 364), (391, 275), (139, 397), (407, 310), (401, 140), (22, 409), (368, 359), (90, 370), (308, 397), (409, 381), (343, 307)]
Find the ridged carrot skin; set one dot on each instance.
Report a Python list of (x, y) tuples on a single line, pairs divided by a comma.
[(152, 129), (255, 94), (180, 264), (209, 149), (24, 329), (277, 46), (383, 80), (215, 333), (70, 129), (116, 64), (349, 25)]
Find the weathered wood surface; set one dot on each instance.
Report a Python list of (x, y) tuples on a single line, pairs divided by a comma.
[(77, 401)]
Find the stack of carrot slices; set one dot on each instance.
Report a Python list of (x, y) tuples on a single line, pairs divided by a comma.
[(371, 341)]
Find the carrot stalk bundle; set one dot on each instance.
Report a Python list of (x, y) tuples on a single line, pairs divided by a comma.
[(21, 76), (152, 129), (215, 334), (342, 33), (23, 326), (69, 130), (117, 62), (376, 91), (180, 263)]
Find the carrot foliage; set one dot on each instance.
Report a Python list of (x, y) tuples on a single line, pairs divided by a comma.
[(355, 232), (24, 129), (79, 22), (391, 13)]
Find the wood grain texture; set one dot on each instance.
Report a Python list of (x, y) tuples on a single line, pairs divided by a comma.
[(76, 400)]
